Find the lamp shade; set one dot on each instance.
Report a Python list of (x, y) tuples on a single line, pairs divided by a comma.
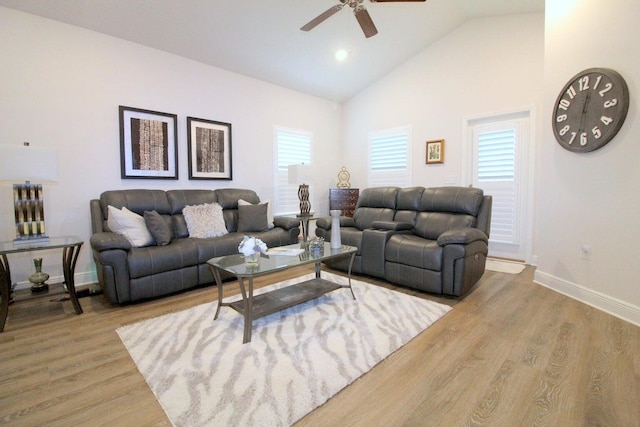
[(300, 174), (26, 163)]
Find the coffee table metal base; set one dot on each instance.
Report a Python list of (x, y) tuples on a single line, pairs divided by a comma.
[(254, 307)]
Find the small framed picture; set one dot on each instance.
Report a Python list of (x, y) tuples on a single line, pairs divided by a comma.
[(148, 144), (435, 151), (209, 148)]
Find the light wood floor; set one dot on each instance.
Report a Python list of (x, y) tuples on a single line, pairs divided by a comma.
[(510, 353)]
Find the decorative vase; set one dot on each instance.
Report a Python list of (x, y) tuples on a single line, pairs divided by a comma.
[(336, 243), (38, 278), (253, 259)]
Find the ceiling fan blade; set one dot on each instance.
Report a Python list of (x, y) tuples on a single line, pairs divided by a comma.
[(365, 21), (322, 17)]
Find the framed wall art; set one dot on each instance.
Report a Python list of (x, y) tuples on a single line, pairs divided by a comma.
[(209, 148), (148, 144), (435, 151)]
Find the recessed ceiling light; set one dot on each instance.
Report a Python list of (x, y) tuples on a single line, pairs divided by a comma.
[(341, 54)]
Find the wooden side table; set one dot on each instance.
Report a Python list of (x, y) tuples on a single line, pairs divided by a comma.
[(70, 246), (344, 199)]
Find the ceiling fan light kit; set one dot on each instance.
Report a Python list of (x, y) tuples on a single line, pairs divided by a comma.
[(362, 15)]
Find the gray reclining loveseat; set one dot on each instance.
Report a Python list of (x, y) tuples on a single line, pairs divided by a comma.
[(431, 239), (127, 273)]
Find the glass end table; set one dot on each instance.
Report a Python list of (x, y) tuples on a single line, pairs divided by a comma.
[(70, 246)]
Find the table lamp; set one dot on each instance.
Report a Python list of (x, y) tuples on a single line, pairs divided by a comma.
[(25, 164), (301, 174)]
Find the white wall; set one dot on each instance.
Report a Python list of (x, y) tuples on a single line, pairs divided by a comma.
[(591, 198), (61, 87), (485, 66)]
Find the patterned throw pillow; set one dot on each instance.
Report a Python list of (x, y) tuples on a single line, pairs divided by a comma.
[(204, 220)]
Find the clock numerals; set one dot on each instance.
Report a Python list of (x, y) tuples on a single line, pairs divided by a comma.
[(583, 83), (590, 109), (606, 89), (583, 139), (611, 103)]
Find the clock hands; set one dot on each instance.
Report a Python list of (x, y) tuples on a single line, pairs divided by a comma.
[(585, 108)]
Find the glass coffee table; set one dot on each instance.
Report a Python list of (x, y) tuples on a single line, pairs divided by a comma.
[(254, 307)]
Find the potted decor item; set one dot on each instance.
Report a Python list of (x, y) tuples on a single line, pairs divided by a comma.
[(251, 248), (39, 277)]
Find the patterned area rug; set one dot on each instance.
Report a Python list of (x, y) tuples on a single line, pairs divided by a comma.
[(203, 375)]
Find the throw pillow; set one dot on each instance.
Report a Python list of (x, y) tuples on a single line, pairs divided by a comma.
[(204, 220), (252, 217), (270, 225), (158, 227), (130, 225)]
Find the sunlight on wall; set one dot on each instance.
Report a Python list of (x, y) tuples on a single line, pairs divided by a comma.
[(558, 9)]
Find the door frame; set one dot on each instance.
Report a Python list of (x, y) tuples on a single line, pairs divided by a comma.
[(527, 164)]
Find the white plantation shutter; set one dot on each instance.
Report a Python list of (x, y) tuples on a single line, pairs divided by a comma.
[(293, 147), (389, 158), (496, 174)]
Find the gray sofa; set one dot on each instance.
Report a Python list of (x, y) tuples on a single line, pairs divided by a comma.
[(431, 239), (127, 274)]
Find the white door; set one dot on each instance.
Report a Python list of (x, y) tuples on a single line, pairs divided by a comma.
[(499, 165)]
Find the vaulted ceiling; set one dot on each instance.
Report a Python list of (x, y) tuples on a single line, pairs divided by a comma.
[(262, 38)]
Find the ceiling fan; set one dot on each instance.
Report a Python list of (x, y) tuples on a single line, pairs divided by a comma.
[(363, 17)]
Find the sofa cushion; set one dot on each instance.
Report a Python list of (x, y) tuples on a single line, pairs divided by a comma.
[(252, 217), (463, 200), (152, 260), (159, 226), (136, 201), (130, 225), (408, 204), (228, 199), (179, 199), (365, 217), (430, 225), (415, 251), (375, 204), (204, 220)]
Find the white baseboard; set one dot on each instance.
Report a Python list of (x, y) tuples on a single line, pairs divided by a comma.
[(606, 303), (82, 280)]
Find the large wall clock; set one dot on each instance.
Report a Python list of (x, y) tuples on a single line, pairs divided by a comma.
[(590, 109)]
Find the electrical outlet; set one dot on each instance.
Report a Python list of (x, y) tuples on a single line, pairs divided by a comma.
[(586, 251)]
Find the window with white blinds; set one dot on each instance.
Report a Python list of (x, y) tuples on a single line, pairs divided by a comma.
[(496, 173), (389, 158), (293, 147)]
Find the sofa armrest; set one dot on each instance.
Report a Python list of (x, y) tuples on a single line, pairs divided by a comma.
[(286, 222), (462, 236), (105, 241), (391, 225), (325, 222)]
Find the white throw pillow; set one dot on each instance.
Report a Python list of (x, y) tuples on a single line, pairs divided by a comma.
[(130, 225), (269, 211), (204, 220)]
